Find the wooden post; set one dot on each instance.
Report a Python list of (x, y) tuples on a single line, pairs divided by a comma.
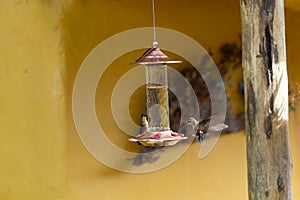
[(266, 98)]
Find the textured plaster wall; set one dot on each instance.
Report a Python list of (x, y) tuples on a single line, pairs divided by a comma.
[(221, 175), (32, 102)]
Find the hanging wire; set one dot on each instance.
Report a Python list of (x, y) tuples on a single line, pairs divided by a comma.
[(154, 25)]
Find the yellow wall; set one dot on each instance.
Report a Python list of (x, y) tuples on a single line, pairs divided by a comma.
[(32, 103), (189, 177), (293, 61), (42, 45)]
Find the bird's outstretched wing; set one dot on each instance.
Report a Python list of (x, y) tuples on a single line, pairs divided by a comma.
[(204, 125), (143, 131), (207, 123), (218, 127)]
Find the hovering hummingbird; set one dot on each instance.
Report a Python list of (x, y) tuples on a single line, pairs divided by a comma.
[(201, 128), (144, 126)]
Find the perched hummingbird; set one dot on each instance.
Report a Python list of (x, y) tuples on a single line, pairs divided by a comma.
[(144, 126), (201, 128)]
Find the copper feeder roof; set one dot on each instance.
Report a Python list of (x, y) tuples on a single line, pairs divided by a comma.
[(154, 56)]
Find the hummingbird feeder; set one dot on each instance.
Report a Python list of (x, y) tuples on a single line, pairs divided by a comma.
[(156, 126), (157, 132)]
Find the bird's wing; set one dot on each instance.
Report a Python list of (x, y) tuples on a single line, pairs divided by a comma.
[(204, 124), (208, 123), (142, 132), (218, 127)]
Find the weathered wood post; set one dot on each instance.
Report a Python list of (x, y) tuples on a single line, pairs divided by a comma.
[(266, 98)]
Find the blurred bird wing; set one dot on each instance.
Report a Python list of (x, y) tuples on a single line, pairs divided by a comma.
[(204, 125), (142, 132), (218, 127), (209, 124), (142, 129)]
